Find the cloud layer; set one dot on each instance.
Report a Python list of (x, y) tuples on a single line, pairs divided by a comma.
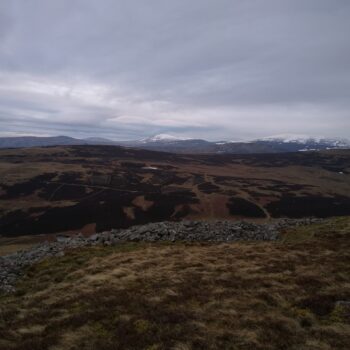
[(218, 69)]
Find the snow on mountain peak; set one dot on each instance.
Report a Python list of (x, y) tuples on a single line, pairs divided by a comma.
[(298, 138), (163, 138), (306, 139)]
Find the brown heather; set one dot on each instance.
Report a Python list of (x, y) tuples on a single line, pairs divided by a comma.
[(265, 295)]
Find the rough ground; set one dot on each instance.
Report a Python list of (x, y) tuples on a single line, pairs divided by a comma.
[(12, 265), (97, 188), (287, 294)]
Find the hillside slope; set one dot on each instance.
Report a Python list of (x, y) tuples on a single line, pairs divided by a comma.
[(97, 188), (290, 294)]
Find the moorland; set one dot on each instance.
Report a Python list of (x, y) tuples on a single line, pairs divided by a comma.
[(287, 293), (95, 188)]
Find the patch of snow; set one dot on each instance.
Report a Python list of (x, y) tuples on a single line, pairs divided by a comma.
[(149, 168), (163, 138), (297, 138), (306, 139), (307, 149), (232, 141)]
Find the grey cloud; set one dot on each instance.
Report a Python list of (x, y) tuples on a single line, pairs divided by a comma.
[(219, 69)]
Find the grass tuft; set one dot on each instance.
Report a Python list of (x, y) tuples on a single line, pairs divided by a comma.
[(266, 295)]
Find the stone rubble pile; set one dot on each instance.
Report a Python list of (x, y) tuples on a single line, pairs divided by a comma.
[(12, 266)]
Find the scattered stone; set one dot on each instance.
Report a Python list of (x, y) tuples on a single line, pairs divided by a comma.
[(13, 266), (343, 303), (94, 237), (62, 238)]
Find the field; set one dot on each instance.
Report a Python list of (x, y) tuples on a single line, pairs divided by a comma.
[(290, 294), (95, 188)]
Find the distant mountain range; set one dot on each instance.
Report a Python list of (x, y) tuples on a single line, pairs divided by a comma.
[(169, 143)]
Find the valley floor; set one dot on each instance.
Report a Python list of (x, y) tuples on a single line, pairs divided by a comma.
[(290, 294)]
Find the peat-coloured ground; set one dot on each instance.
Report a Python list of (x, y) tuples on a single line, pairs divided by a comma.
[(93, 188)]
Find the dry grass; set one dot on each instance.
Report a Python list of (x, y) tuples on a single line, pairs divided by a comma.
[(142, 203), (13, 248), (188, 296), (9, 245)]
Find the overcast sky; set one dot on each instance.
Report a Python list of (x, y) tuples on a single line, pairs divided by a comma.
[(214, 69)]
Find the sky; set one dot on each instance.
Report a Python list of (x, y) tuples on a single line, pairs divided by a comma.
[(211, 69)]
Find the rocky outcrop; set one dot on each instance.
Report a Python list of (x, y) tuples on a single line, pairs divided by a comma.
[(12, 266)]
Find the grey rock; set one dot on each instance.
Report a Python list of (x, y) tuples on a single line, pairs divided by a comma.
[(12, 266), (343, 303), (94, 237), (62, 238)]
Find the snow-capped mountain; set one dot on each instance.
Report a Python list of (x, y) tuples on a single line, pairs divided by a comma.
[(306, 139), (270, 144), (294, 143), (175, 144), (163, 138), (296, 138)]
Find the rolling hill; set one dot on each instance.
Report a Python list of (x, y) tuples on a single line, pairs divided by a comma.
[(169, 143), (95, 188)]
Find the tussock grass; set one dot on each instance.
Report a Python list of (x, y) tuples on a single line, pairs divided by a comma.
[(330, 228), (261, 295)]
